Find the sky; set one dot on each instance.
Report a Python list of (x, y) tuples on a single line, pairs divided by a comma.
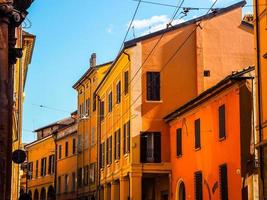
[(69, 31)]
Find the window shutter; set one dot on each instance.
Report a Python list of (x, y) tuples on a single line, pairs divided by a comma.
[(110, 149), (118, 92), (115, 142), (128, 137), (110, 102), (107, 150), (156, 80), (143, 145), (179, 142), (149, 86), (101, 157), (197, 134), (222, 121), (223, 182), (157, 147), (119, 144), (124, 138), (198, 186), (126, 82)]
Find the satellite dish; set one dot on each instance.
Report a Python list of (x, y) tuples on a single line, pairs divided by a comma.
[(19, 156)]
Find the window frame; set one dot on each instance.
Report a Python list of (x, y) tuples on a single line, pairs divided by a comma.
[(153, 86)]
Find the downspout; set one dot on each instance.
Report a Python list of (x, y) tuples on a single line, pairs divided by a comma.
[(98, 146), (261, 160)]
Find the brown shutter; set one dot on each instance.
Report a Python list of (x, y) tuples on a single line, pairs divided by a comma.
[(179, 142), (157, 147), (198, 186), (222, 121), (197, 134), (223, 182), (143, 147), (126, 82)]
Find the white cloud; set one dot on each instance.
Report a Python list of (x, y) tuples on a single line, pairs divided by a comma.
[(153, 24), (110, 29)]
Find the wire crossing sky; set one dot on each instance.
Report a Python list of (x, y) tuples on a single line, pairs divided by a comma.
[(68, 31)]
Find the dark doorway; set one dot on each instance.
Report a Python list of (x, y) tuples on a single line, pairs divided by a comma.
[(181, 192)]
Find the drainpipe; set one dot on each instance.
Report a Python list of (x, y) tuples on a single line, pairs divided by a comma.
[(261, 159), (98, 147)]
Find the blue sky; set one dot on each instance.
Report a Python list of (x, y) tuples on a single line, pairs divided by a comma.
[(67, 32)]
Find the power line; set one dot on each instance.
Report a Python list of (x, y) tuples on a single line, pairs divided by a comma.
[(50, 108), (168, 61), (130, 25), (191, 8), (179, 5)]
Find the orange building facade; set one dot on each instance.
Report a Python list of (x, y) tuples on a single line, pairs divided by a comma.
[(211, 140), (260, 24), (143, 168)]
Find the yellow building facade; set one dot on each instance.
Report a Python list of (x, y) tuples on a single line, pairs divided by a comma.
[(260, 24), (41, 161), (26, 42), (87, 150), (66, 162)]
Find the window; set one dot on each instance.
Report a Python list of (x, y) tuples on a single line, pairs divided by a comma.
[(126, 138), (198, 186), (58, 184), (43, 167), (223, 182), (126, 82), (118, 88), (79, 143), (59, 151), (110, 102), (73, 181), (94, 102), (153, 86), (80, 174), (30, 170), (102, 153), (36, 168), (87, 106), (92, 173), (66, 182), (93, 136), (102, 110), (197, 134), (150, 147), (179, 142), (222, 122), (117, 144), (109, 150), (86, 174), (66, 149), (51, 164), (73, 146)]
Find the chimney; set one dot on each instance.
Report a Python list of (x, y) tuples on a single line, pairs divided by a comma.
[(93, 60)]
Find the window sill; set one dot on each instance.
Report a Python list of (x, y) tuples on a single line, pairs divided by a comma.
[(126, 155), (222, 139), (197, 149), (154, 101), (179, 156), (117, 161)]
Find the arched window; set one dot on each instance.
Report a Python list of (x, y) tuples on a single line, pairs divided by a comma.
[(43, 194), (51, 193), (180, 193), (36, 195)]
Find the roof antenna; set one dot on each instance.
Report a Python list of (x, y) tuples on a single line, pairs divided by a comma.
[(133, 32)]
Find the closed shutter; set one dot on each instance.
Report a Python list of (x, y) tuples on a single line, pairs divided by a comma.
[(198, 186), (124, 138), (223, 182), (110, 150), (128, 137), (101, 157), (222, 121), (126, 82), (118, 143), (110, 102), (143, 146), (197, 134), (179, 142), (102, 110), (157, 147), (119, 92), (149, 86), (115, 142), (107, 150)]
